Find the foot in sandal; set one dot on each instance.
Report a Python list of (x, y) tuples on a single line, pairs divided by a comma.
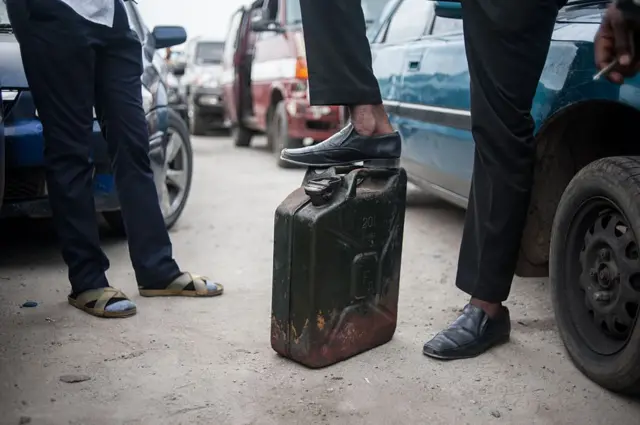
[(185, 285), (104, 302)]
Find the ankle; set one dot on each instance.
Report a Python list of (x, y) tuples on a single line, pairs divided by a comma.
[(491, 309), (370, 120)]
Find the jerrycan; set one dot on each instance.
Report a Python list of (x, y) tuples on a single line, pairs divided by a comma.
[(336, 264)]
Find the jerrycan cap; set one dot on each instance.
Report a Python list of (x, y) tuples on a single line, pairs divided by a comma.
[(321, 190)]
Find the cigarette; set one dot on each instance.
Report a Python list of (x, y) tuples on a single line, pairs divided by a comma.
[(607, 69)]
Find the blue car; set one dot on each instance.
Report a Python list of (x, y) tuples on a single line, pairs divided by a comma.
[(584, 215), (23, 190)]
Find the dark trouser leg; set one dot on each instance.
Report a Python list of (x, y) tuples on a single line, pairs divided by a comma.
[(340, 73), (507, 44), (338, 53), (119, 104), (59, 64)]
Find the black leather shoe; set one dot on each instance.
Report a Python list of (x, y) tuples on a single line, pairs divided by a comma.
[(473, 333), (347, 147)]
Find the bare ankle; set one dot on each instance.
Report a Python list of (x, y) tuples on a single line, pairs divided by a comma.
[(370, 120)]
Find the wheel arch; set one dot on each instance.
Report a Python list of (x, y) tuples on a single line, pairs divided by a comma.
[(573, 137)]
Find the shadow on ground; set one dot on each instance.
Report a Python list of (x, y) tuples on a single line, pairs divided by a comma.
[(26, 242)]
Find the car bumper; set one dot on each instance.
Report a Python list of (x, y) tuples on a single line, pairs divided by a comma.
[(314, 122), (25, 145), (209, 105), (25, 187), (40, 208)]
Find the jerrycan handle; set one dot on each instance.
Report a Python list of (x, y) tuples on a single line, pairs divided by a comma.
[(363, 173), (321, 190)]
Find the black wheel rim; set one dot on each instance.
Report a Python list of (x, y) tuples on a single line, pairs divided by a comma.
[(602, 276)]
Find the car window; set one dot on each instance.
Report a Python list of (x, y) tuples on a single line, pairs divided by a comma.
[(293, 14), (232, 36), (410, 21), (4, 17), (446, 26), (376, 31), (372, 9), (209, 52)]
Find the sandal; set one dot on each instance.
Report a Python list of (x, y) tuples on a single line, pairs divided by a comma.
[(96, 302), (186, 285)]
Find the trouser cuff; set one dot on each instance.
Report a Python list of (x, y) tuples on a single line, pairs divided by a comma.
[(344, 96)]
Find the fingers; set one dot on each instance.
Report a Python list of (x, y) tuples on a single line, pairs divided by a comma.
[(603, 48), (614, 41), (622, 37), (615, 77)]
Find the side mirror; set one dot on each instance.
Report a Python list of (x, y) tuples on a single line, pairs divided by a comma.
[(266, 26), (448, 9), (168, 36)]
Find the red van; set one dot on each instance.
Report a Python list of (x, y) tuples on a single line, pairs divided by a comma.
[(265, 81)]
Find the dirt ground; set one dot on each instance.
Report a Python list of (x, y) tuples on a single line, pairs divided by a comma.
[(209, 361)]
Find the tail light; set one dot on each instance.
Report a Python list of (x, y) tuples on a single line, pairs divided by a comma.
[(302, 72)]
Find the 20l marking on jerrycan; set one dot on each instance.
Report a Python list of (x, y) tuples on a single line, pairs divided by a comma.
[(336, 264)]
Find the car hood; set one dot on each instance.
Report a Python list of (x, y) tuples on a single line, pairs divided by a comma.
[(587, 14), (207, 69), (578, 24), (11, 70)]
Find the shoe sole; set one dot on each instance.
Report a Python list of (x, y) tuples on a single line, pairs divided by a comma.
[(151, 293), (368, 163), (486, 348)]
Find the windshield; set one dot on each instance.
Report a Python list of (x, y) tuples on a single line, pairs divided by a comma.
[(209, 53), (371, 8), (294, 15), (4, 17)]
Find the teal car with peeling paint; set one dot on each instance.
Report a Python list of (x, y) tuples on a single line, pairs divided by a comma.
[(585, 207)]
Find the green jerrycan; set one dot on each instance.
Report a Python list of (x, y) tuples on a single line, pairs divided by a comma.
[(336, 264)]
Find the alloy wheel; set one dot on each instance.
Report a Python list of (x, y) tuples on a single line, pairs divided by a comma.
[(175, 175)]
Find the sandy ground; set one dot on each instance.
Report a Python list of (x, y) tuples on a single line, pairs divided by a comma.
[(208, 361)]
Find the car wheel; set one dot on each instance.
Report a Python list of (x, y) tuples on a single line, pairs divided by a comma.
[(197, 125), (595, 272), (241, 135), (173, 180), (280, 135)]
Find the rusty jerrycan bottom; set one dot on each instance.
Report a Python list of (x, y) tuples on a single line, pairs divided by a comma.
[(336, 264)]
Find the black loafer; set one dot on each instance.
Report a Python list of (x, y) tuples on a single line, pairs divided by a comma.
[(470, 335), (348, 147)]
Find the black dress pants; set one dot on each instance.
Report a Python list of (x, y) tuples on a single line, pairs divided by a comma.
[(71, 65), (506, 43)]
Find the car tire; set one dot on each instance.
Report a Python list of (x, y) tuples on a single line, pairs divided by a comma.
[(197, 125), (178, 127), (595, 272), (241, 135), (279, 134)]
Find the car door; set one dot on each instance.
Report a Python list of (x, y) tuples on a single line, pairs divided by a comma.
[(434, 110), (151, 74), (2, 155), (234, 61), (407, 22)]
